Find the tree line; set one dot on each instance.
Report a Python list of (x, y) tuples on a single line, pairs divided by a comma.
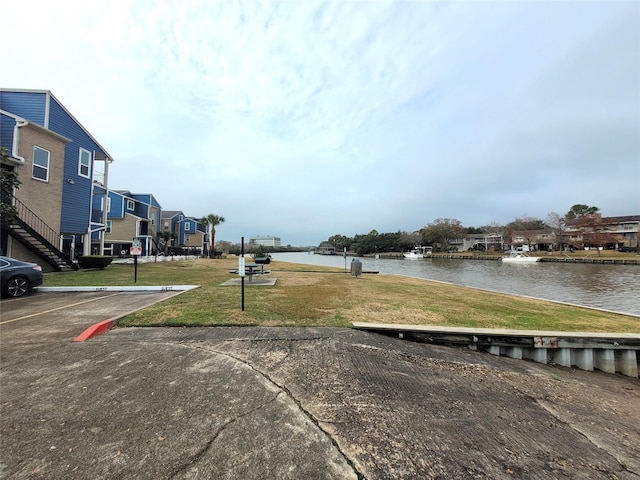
[(441, 231)]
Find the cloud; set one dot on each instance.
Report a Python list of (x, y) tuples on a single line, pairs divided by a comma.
[(307, 119)]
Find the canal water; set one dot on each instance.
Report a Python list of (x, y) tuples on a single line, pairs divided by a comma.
[(611, 287)]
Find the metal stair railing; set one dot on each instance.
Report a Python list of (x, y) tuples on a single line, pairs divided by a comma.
[(49, 237), (35, 222)]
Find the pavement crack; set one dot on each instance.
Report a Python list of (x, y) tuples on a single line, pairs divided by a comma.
[(594, 441), (289, 394), (201, 453), (195, 458)]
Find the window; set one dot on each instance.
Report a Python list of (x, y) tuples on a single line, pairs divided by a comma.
[(84, 164), (108, 204), (130, 205), (187, 227), (40, 164), (187, 237), (108, 230)]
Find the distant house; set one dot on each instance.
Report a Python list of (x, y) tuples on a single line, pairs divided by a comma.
[(625, 230), (184, 232), (131, 216), (191, 235), (63, 169), (604, 232), (529, 240), (479, 241), (326, 248)]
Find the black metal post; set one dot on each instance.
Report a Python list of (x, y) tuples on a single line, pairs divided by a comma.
[(135, 269), (242, 273)]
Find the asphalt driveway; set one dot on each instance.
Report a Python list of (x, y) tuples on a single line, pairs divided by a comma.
[(290, 403)]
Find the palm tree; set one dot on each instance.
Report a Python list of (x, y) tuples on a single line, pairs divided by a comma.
[(166, 236), (211, 221)]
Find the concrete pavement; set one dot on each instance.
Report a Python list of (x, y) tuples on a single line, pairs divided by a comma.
[(293, 403)]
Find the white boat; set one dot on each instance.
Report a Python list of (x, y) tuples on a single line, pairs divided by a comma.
[(418, 252), (520, 257)]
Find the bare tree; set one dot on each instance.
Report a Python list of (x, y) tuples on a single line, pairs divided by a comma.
[(441, 231), (593, 234), (557, 223), (409, 240)]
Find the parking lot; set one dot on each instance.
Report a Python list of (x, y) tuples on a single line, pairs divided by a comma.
[(257, 402), (54, 317)]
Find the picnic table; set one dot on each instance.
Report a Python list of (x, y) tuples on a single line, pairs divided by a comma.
[(251, 269)]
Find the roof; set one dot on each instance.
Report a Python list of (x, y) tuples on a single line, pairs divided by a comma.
[(124, 193), (610, 220), (171, 213), (623, 219), (48, 93)]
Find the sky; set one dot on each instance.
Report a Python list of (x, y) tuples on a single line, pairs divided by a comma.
[(304, 119)]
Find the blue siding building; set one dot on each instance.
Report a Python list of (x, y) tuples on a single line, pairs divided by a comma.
[(187, 233), (132, 215), (86, 164)]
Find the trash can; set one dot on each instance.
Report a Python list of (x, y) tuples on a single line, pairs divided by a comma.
[(356, 267)]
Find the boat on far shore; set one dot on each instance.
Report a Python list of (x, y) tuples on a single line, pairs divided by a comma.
[(418, 252), (520, 257)]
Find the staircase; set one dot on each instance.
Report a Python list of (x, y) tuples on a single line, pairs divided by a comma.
[(37, 236)]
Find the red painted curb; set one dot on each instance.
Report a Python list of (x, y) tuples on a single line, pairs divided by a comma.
[(94, 330)]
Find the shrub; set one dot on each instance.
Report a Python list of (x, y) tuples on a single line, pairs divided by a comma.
[(94, 261)]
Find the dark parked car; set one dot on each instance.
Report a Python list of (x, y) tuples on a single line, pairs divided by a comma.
[(18, 277)]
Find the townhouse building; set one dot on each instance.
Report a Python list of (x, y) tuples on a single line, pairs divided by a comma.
[(625, 230), (621, 232), (131, 216), (64, 180), (183, 232)]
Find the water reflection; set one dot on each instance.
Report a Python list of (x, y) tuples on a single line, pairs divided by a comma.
[(613, 287)]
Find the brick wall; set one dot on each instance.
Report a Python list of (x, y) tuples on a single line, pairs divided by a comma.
[(43, 198)]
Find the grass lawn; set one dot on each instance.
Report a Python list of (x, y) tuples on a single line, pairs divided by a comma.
[(306, 295)]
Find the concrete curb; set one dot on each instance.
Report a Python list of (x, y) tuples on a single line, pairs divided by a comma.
[(93, 330), (106, 325), (148, 288)]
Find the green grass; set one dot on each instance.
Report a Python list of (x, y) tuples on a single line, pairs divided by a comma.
[(320, 296)]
